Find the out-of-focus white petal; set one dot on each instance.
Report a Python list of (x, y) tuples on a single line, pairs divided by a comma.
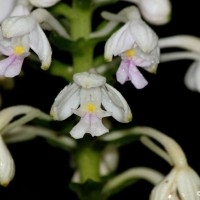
[(155, 11), (144, 36), (89, 80), (122, 40), (5, 8), (115, 103), (43, 3), (7, 167), (109, 160), (67, 100), (40, 45), (130, 13), (192, 77), (18, 26)]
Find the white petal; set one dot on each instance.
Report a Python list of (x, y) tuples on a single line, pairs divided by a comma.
[(115, 103), (188, 184), (122, 40), (7, 167), (89, 80), (165, 188), (18, 26), (192, 77), (96, 127), (155, 11), (6, 8), (40, 45), (44, 3), (80, 129), (20, 10), (67, 100), (145, 37)]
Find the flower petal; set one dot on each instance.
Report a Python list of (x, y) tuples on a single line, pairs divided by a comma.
[(136, 77), (122, 40), (7, 166), (122, 72), (115, 103), (145, 37), (96, 127), (155, 11), (80, 129), (43, 3), (18, 26), (40, 45), (6, 8), (67, 100), (192, 77), (11, 66)]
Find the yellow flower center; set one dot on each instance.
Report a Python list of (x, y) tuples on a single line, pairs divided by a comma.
[(19, 50), (130, 53), (90, 107)]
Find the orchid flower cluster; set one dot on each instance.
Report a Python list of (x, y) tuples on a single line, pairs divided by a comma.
[(61, 38)]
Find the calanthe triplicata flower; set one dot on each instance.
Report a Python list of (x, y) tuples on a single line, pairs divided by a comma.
[(137, 44), (84, 98)]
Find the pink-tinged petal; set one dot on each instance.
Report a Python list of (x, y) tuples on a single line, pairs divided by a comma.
[(122, 72), (6, 8), (80, 129), (40, 45), (136, 77), (66, 101), (96, 127), (115, 103), (11, 66)]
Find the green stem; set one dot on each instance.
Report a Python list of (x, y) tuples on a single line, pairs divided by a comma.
[(80, 28), (88, 160)]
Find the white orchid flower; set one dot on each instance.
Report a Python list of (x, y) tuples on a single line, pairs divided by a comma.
[(179, 184), (182, 183), (44, 3), (137, 44), (21, 32), (84, 98), (156, 12)]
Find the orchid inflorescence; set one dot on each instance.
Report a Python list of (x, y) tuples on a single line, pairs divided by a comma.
[(36, 30)]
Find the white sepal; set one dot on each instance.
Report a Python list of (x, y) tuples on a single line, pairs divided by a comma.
[(67, 100), (7, 166), (115, 103)]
